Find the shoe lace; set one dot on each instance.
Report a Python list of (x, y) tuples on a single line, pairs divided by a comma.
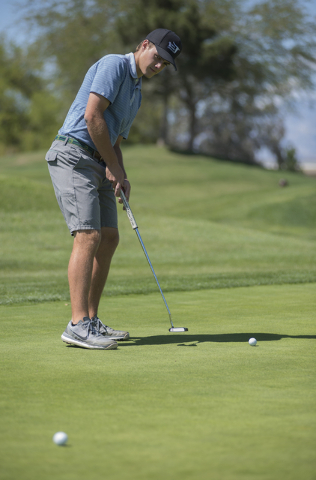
[(97, 324), (91, 327)]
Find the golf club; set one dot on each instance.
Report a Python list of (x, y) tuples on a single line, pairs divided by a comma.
[(135, 227)]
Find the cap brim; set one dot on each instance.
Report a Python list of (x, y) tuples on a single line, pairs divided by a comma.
[(166, 56)]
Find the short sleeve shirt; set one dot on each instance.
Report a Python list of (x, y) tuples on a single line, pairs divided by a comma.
[(115, 78)]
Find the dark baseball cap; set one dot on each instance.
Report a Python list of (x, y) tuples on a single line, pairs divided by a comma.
[(168, 44)]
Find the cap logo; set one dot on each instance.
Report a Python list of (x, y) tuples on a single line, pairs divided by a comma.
[(173, 47)]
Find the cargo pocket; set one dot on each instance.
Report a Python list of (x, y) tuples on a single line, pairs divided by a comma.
[(51, 156)]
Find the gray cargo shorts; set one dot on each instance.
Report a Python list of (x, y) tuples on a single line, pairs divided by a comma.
[(84, 194)]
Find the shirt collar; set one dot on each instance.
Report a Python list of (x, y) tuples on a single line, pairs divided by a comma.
[(132, 69)]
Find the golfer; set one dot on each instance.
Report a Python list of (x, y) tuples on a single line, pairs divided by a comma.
[(86, 166)]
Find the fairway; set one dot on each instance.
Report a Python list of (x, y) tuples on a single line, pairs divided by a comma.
[(207, 224), (179, 406), (235, 255)]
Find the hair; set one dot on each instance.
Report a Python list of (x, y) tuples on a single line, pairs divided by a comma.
[(150, 45)]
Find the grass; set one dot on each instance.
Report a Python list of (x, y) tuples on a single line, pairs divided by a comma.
[(205, 224), (185, 406), (235, 255)]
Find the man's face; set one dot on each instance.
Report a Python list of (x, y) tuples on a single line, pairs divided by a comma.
[(150, 62)]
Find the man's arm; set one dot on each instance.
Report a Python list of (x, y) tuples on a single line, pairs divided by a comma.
[(118, 151), (99, 133)]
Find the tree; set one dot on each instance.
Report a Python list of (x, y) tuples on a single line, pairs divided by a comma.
[(72, 36), (249, 58), (28, 111), (287, 159), (238, 63), (202, 56), (79, 32)]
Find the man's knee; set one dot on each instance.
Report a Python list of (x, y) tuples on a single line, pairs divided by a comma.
[(110, 237), (86, 238)]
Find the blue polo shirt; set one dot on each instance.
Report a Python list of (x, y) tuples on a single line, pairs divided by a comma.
[(115, 78)]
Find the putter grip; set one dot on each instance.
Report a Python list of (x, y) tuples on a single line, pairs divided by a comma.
[(129, 211)]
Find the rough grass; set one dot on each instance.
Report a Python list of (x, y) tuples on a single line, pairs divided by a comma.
[(205, 224)]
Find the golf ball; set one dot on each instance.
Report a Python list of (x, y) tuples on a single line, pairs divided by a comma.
[(60, 438), (252, 341)]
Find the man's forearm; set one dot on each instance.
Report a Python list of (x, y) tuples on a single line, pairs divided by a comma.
[(119, 155), (99, 133)]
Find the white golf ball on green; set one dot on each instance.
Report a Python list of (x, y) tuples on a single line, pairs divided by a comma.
[(60, 438), (252, 341)]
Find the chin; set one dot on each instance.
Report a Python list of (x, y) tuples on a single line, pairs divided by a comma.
[(149, 74)]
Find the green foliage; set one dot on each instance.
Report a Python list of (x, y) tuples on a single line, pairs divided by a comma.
[(199, 56), (29, 114), (290, 161), (205, 54), (75, 36), (275, 55), (235, 61), (44, 120), (238, 58)]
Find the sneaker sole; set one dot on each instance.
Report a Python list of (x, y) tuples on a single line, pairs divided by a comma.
[(116, 337), (72, 341)]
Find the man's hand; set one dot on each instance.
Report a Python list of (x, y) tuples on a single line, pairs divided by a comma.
[(126, 187), (116, 178)]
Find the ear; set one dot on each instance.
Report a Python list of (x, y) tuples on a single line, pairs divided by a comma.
[(145, 44)]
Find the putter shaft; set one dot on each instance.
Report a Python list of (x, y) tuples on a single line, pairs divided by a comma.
[(135, 227)]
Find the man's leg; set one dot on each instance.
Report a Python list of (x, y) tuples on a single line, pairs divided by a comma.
[(101, 266), (81, 331), (86, 243)]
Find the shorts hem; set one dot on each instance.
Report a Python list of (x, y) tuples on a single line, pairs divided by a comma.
[(76, 229), (85, 227)]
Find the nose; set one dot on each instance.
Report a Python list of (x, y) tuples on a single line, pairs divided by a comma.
[(159, 66)]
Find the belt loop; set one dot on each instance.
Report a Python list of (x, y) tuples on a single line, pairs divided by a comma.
[(66, 141)]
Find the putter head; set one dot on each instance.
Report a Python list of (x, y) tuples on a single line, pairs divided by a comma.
[(178, 329)]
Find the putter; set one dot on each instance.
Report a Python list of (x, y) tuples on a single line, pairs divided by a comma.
[(135, 227)]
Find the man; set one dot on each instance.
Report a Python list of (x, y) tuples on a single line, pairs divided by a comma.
[(86, 166)]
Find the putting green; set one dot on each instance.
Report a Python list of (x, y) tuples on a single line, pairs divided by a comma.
[(192, 406)]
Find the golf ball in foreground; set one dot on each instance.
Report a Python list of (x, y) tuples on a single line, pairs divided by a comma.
[(60, 438), (252, 341)]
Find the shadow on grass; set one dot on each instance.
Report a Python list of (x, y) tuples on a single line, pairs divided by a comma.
[(187, 340), (183, 340)]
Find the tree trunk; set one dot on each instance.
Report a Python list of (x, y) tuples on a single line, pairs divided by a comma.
[(163, 131), (192, 126)]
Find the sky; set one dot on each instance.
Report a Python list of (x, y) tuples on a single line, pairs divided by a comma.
[(300, 125)]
